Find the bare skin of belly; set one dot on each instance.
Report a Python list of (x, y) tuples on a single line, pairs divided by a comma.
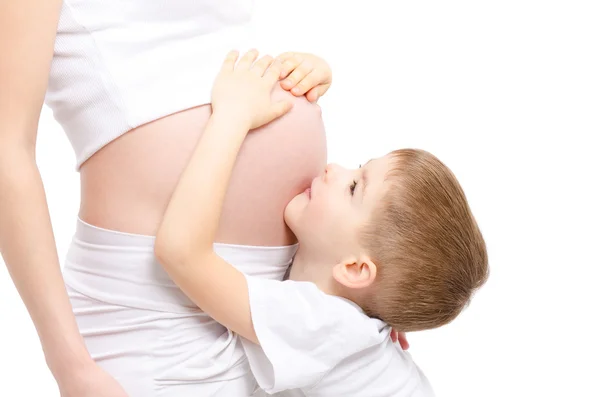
[(127, 185)]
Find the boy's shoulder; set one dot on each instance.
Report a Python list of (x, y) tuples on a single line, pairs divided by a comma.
[(304, 333), (303, 304)]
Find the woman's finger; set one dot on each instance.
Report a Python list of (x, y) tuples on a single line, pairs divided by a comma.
[(261, 66), (247, 60)]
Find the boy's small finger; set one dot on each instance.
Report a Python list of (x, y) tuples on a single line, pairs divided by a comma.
[(285, 56), (307, 83), (230, 60), (287, 84), (261, 66), (313, 94), (247, 59), (299, 73), (287, 67), (272, 74), (403, 341), (319, 91), (291, 64)]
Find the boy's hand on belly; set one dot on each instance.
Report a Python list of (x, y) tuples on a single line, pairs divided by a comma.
[(305, 74), (242, 90)]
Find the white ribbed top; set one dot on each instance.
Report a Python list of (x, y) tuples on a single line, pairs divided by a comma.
[(120, 64)]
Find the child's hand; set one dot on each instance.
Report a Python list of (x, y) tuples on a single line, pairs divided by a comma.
[(243, 91), (306, 74), (399, 337)]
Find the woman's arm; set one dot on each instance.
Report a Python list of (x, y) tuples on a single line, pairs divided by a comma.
[(27, 33), (241, 101)]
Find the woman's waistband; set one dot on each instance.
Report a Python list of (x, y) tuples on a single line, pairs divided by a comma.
[(120, 268)]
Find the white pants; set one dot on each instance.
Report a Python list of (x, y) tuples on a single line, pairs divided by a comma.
[(143, 330)]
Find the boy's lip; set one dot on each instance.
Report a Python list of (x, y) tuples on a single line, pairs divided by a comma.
[(310, 189)]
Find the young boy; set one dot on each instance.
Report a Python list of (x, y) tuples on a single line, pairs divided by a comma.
[(392, 243)]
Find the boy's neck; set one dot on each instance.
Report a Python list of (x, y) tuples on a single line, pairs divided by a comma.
[(297, 272), (307, 268)]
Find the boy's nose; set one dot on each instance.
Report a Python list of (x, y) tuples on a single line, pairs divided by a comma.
[(331, 170)]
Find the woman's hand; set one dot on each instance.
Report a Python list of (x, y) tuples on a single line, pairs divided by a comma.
[(399, 337), (305, 74), (243, 90), (90, 381)]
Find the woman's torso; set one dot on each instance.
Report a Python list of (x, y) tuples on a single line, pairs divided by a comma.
[(146, 68)]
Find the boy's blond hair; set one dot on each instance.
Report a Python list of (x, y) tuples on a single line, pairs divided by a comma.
[(429, 251)]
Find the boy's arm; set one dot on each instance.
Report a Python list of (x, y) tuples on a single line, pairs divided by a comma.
[(184, 242)]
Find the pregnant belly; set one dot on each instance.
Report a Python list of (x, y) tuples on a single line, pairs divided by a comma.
[(126, 185)]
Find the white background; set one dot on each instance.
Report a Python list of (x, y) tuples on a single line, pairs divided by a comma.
[(507, 94)]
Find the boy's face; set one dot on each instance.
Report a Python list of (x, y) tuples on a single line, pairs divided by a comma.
[(327, 218)]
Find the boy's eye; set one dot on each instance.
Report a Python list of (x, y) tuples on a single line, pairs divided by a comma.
[(353, 187)]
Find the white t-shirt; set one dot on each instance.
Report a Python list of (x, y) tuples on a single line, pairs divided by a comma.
[(121, 64), (324, 346)]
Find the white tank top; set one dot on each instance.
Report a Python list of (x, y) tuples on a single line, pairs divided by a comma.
[(120, 64)]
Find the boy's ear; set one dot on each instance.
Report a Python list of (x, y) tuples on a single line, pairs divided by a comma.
[(355, 272)]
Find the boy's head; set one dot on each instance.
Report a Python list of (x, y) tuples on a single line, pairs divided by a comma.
[(395, 236)]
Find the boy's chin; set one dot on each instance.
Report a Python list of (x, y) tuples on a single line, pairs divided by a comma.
[(293, 211), (290, 217)]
